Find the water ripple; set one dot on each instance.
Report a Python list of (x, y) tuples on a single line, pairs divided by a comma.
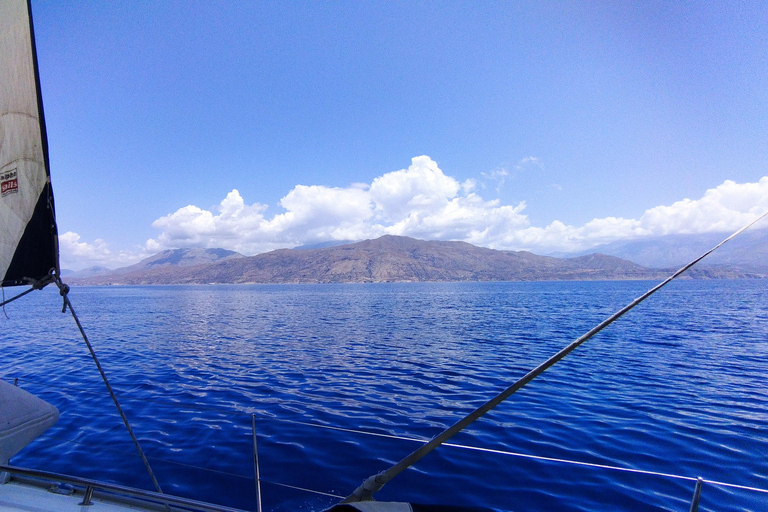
[(677, 386)]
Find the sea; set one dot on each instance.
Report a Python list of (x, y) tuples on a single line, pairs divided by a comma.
[(341, 381)]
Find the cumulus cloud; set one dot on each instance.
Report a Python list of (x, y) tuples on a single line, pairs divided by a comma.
[(234, 224), (420, 201), (724, 208), (76, 255), (423, 202)]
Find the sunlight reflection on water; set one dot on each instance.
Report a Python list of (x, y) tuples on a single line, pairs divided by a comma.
[(677, 386)]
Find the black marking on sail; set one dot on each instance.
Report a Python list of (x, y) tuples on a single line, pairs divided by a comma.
[(36, 254)]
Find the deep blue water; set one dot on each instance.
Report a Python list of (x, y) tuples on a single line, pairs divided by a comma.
[(677, 386)]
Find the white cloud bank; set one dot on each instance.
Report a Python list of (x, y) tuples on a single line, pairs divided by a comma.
[(76, 255), (422, 202)]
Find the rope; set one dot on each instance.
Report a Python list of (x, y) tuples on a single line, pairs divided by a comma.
[(64, 291), (15, 297), (387, 436), (375, 482), (35, 285)]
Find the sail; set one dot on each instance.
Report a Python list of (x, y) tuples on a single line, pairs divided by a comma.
[(28, 235)]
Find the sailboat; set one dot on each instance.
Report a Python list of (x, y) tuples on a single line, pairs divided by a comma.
[(28, 243), (29, 257)]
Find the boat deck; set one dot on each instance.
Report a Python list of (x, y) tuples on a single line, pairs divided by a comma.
[(28, 490), (18, 496)]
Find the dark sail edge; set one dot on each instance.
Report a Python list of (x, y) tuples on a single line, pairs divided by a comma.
[(34, 253), (37, 252), (53, 234)]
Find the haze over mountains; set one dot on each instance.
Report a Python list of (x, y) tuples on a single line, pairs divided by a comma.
[(171, 257), (389, 259), (748, 252)]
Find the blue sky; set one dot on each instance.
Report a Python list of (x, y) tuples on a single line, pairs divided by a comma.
[(547, 126)]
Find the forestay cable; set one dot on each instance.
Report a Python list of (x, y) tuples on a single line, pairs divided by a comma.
[(377, 481), (64, 291)]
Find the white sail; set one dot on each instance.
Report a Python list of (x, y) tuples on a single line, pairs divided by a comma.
[(28, 247)]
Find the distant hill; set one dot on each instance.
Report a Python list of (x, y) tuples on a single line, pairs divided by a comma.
[(746, 253), (180, 258), (386, 259), (187, 257), (86, 272), (322, 245)]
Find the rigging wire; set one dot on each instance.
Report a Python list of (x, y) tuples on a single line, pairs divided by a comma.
[(15, 296), (400, 437), (35, 286), (375, 482), (64, 292), (493, 451)]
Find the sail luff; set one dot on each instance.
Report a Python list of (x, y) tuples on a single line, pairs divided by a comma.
[(54, 233), (28, 233)]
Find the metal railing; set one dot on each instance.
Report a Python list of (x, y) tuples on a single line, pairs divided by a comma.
[(113, 492), (193, 505)]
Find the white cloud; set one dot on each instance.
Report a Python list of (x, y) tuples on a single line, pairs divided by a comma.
[(76, 255), (419, 201), (724, 208), (498, 176), (421, 189), (190, 226), (423, 202), (529, 162)]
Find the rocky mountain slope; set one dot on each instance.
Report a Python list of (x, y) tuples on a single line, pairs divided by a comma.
[(386, 259)]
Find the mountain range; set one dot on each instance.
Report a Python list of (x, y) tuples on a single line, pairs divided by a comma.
[(746, 253), (386, 259)]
